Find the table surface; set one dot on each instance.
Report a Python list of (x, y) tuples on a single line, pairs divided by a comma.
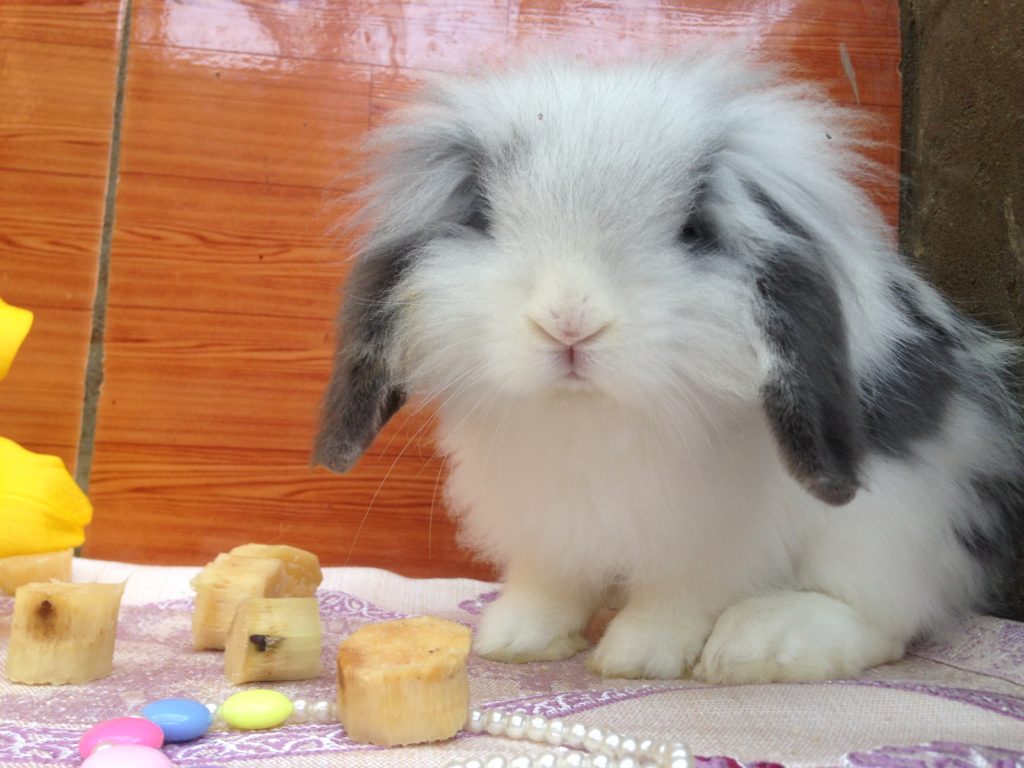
[(954, 702)]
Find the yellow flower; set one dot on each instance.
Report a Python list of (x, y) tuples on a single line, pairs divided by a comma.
[(41, 507), (14, 325)]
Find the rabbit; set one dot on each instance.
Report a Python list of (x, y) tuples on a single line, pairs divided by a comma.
[(674, 352)]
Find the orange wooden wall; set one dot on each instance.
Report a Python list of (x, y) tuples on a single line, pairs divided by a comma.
[(237, 118)]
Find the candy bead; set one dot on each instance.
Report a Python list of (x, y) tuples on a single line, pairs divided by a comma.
[(179, 719), (128, 756), (121, 730), (256, 710)]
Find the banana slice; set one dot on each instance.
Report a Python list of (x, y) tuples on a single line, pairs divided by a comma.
[(275, 638), (63, 633), (404, 681), (26, 569), (222, 586), (301, 568)]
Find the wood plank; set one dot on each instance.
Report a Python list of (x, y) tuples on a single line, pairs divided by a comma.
[(422, 34), (241, 117), (59, 79)]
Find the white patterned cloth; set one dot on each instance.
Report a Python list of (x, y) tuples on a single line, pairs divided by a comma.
[(954, 704)]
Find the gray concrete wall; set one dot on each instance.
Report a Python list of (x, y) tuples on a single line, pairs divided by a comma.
[(962, 197)]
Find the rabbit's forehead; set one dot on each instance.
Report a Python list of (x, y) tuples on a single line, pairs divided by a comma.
[(589, 154)]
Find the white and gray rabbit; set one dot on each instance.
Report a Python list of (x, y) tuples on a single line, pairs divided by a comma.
[(673, 350)]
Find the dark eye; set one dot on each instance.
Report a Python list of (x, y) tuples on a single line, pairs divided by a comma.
[(478, 218), (697, 233)]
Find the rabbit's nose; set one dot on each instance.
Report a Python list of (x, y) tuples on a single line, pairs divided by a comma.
[(569, 332)]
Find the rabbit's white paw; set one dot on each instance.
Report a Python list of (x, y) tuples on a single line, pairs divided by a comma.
[(638, 644), (792, 636), (520, 627)]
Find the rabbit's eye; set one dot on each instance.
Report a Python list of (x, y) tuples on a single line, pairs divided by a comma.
[(478, 219), (697, 233)]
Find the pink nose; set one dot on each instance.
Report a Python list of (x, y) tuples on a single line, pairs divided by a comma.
[(569, 333)]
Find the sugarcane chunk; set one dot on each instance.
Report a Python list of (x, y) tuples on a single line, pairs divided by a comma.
[(27, 569), (302, 574), (277, 638), (222, 586), (404, 681), (63, 633)]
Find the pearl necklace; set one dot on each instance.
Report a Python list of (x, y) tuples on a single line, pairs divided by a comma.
[(603, 748), (606, 749)]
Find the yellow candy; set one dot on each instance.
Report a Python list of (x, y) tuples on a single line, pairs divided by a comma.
[(256, 709), (14, 325), (41, 507)]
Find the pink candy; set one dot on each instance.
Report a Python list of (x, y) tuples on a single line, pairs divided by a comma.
[(123, 731), (128, 756)]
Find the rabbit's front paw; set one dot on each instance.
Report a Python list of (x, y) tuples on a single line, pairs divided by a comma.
[(792, 636), (636, 645), (516, 630)]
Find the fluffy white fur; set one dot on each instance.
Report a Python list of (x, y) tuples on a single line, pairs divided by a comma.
[(646, 461)]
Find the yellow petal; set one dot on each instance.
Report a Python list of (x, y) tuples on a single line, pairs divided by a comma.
[(41, 507), (14, 325)]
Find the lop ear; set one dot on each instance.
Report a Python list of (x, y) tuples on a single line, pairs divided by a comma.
[(426, 184), (362, 393), (810, 396)]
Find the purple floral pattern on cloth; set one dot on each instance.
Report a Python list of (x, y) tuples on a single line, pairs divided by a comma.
[(938, 754), (981, 644)]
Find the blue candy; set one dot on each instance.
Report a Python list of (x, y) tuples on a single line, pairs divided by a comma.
[(180, 719)]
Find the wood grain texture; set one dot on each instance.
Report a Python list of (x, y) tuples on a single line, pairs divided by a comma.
[(239, 123), (59, 74)]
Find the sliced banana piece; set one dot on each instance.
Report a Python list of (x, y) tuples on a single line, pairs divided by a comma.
[(276, 638), (404, 681), (63, 633)]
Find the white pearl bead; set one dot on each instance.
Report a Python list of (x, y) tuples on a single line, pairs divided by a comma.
[(300, 711), (476, 722), (628, 747), (593, 740), (536, 728), (645, 747), (523, 761), (496, 722), (473, 762), (515, 726), (601, 761), (574, 760), (627, 762), (679, 756), (554, 734), (546, 760), (495, 761), (322, 711), (575, 734), (610, 745)]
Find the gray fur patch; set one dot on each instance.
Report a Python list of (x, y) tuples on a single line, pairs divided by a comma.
[(362, 394), (994, 544), (907, 402), (810, 403)]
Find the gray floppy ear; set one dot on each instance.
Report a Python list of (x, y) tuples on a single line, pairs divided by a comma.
[(810, 397), (425, 171), (362, 393)]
